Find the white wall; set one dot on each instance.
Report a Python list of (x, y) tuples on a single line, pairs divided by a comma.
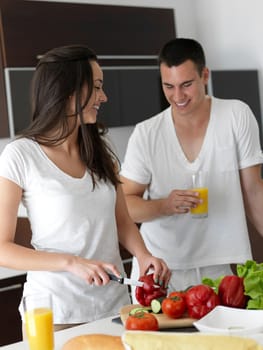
[(231, 32)]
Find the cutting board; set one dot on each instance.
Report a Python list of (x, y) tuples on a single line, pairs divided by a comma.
[(163, 320)]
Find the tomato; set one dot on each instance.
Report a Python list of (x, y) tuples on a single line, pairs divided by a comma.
[(142, 321), (200, 299), (148, 292), (231, 292), (174, 306), (177, 293)]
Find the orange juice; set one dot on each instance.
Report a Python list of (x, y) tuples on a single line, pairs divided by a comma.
[(202, 208), (39, 328)]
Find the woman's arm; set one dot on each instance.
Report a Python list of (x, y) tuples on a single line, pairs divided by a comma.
[(131, 239)]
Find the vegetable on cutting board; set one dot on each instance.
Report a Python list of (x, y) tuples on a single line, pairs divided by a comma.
[(149, 291), (143, 321), (156, 305), (140, 309), (174, 306)]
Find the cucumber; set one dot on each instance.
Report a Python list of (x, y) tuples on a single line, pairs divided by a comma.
[(156, 305), (139, 309)]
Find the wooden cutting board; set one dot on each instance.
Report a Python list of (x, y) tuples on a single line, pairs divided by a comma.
[(163, 320)]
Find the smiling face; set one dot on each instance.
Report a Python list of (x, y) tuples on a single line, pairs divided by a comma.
[(183, 87), (97, 97)]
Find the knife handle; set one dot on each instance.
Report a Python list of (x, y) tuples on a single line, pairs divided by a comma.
[(115, 278)]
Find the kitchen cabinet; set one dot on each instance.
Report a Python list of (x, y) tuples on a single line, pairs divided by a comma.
[(120, 35), (11, 289), (10, 322), (128, 103), (239, 84)]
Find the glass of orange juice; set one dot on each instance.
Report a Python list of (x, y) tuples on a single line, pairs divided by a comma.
[(199, 185), (39, 321)]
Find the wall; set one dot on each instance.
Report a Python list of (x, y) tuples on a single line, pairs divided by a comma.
[(231, 32)]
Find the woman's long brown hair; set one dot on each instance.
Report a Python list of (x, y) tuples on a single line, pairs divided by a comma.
[(60, 73)]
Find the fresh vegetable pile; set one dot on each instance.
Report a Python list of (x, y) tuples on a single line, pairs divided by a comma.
[(244, 290)]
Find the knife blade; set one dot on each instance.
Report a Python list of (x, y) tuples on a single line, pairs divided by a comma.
[(128, 281), (124, 280)]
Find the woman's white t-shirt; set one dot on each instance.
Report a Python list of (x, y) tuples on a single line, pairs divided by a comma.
[(67, 216)]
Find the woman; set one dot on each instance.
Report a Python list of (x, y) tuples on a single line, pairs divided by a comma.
[(63, 170)]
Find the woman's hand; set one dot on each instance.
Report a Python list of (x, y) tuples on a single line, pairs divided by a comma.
[(92, 271), (161, 272)]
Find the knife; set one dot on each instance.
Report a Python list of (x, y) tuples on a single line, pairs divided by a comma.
[(124, 280)]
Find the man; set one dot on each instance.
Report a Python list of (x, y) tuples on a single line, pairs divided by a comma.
[(196, 133)]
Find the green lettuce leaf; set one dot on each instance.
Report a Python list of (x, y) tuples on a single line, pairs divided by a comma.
[(252, 272), (212, 283)]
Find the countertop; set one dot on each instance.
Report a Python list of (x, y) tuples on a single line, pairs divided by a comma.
[(104, 326), (8, 273)]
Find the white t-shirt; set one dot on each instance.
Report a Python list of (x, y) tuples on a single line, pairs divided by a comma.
[(67, 215), (154, 157)]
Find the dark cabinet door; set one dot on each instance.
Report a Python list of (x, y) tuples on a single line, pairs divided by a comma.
[(10, 322), (30, 28), (134, 94)]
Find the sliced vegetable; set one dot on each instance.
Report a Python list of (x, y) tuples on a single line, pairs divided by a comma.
[(140, 309), (200, 300), (156, 305), (148, 292)]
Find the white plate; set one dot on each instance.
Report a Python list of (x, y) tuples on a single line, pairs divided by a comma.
[(228, 320)]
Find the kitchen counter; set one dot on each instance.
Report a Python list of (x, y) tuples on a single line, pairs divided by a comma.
[(105, 326), (8, 273)]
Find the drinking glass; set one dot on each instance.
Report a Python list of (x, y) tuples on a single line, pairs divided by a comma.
[(199, 185), (39, 321)]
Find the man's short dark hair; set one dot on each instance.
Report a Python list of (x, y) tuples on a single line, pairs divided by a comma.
[(179, 50)]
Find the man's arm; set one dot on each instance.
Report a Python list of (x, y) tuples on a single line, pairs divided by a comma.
[(252, 188), (142, 210)]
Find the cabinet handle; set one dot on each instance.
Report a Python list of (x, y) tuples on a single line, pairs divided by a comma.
[(14, 286)]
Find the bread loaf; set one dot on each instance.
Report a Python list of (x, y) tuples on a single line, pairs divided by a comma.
[(94, 342)]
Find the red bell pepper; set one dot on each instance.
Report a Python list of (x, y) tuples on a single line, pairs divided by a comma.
[(148, 292), (200, 300), (231, 292)]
